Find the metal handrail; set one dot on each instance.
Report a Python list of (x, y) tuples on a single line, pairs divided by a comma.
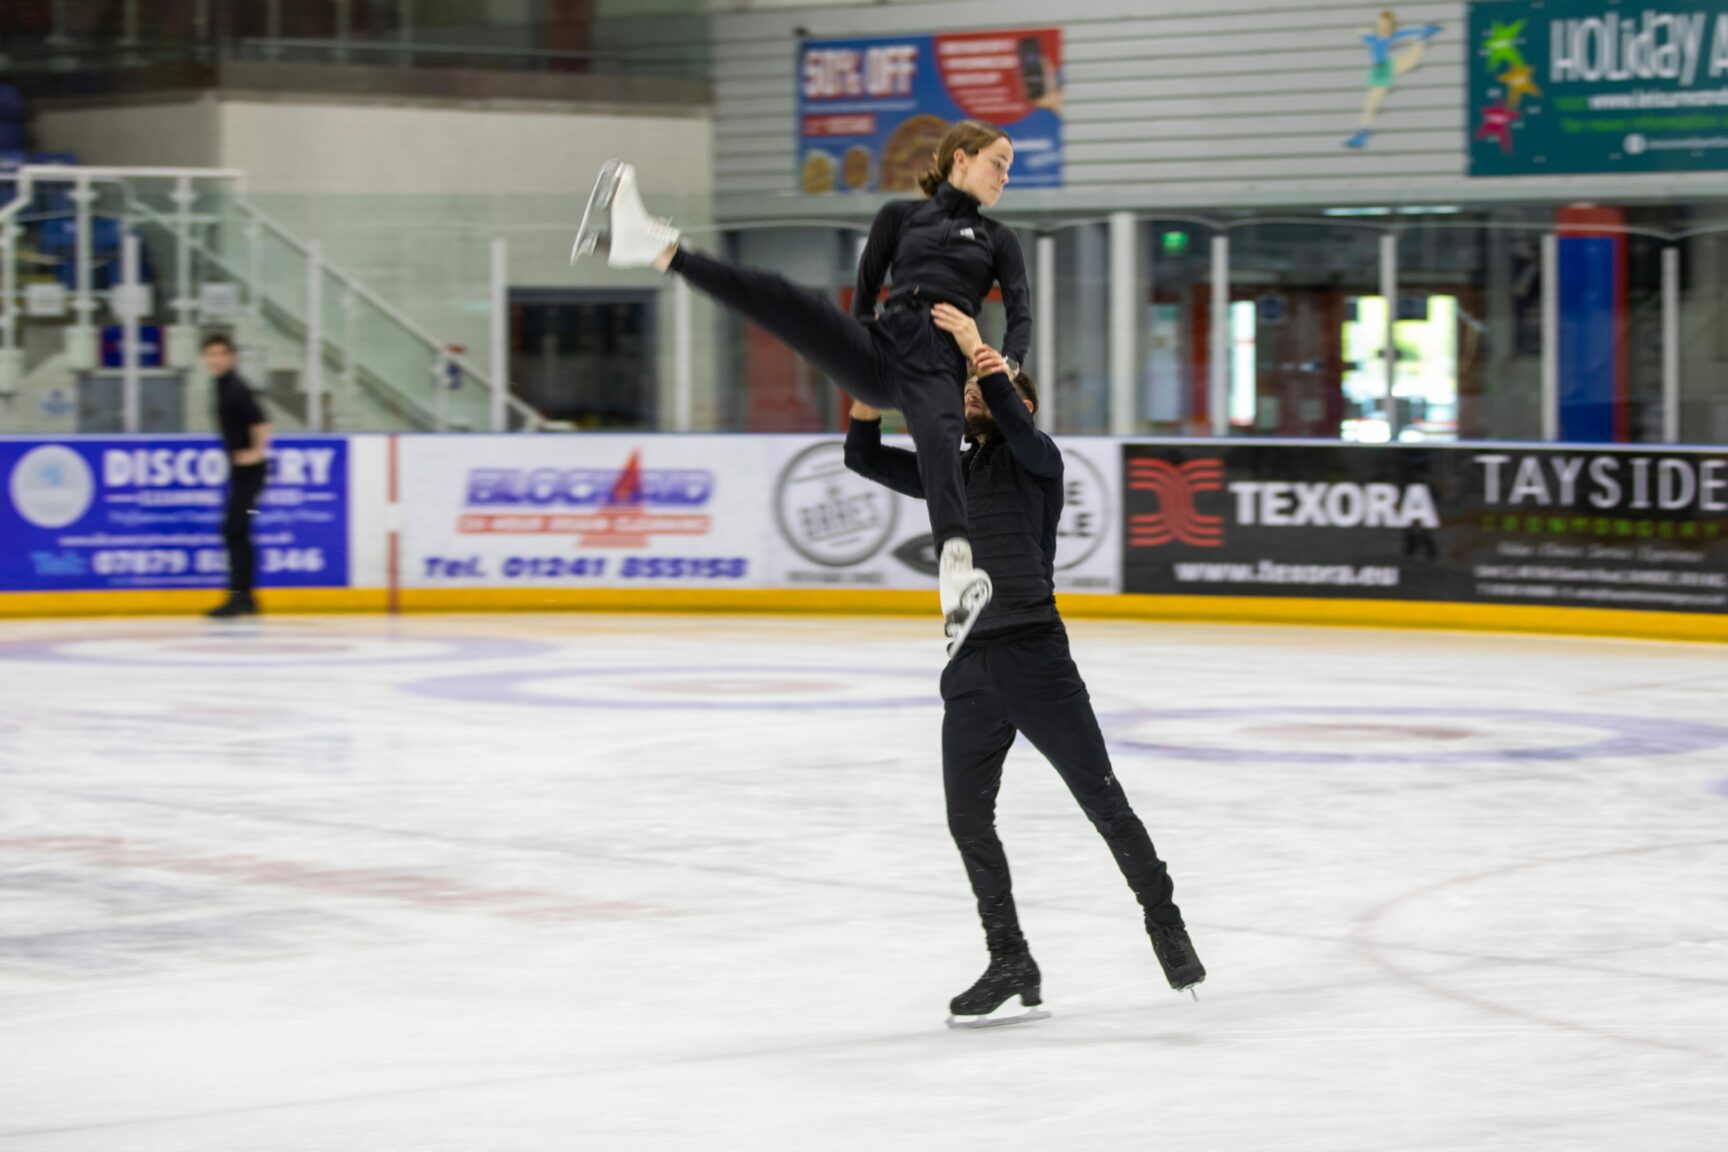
[(39, 56), (150, 215), (419, 48), (390, 312), (28, 175)]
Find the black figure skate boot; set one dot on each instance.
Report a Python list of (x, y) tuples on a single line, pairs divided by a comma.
[(986, 1003), (1176, 956)]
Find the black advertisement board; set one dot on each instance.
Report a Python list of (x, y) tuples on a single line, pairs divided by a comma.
[(1582, 527)]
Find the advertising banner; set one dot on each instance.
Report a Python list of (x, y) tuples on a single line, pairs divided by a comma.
[(1568, 86), (1484, 524), (582, 511), (871, 112), (93, 513), (835, 529)]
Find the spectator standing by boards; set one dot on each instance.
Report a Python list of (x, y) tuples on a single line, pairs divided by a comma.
[(246, 438)]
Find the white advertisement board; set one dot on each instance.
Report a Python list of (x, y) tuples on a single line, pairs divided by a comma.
[(832, 528), (582, 511)]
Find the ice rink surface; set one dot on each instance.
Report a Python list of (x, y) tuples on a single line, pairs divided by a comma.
[(581, 882)]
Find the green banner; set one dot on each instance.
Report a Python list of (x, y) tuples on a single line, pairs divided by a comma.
[(1562, 86)]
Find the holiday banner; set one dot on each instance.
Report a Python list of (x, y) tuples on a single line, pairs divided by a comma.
[(1573, 86), (872, 112)]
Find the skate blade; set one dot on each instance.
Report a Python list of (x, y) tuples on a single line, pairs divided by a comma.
[(999, 1019), (595, 215), (973, 601)]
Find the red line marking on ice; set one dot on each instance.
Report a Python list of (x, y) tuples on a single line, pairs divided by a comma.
[(417, 889)]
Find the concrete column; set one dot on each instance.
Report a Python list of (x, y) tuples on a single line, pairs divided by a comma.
[(1044, 330), (499, 333), (1218, 394), (1550, 337), (1124, 338)]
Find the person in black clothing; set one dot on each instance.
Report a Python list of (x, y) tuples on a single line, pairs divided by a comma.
[(1016, 676), (246, 436), (941, 250)]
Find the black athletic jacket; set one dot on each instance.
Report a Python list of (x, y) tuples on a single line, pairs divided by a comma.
[(945, 247), (237, 410), (1013, 504)]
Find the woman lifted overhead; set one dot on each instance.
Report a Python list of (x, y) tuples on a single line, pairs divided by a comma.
[(939, 250)]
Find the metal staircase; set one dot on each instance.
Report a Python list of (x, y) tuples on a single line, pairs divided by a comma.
[(306, 326)]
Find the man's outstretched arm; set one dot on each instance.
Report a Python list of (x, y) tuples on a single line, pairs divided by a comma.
[(1035, 451), (893, 468)]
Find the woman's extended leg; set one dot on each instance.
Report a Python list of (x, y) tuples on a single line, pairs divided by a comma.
[(807, 322)]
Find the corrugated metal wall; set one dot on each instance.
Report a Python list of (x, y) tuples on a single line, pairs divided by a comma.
[(1198, 105)]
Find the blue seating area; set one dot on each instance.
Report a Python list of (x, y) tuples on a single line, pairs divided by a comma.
[(51, 233)]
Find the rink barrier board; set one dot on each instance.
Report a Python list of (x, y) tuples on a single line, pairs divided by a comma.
[(1630, 624), (391, 540), (187, 602)]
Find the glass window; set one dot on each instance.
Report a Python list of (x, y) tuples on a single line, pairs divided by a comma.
[(1470, 324), (1704, 331), (1313, 334), (585, 358), (765, 386), (1175, 355), (1082, 386)]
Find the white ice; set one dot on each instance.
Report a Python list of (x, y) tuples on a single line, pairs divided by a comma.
[(575, 882)]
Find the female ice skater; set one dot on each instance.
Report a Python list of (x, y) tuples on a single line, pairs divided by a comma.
[(940, 250), (1393, 52)]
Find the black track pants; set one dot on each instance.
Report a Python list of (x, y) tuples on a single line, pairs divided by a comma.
[(1031, 686), (902, 361), (244, 485)]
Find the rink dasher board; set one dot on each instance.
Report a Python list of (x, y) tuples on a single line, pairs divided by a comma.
[(144, 513), (693, 512), (774, 523), (1577, 526)]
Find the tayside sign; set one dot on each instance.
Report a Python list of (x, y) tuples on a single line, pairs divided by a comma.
[(1606, 529)]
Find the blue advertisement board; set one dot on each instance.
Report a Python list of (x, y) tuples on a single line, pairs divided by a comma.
[(131, 512), (871, 112)]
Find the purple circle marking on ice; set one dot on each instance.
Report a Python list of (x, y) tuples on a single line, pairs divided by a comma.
[(512, 688), (450, 649), (1627, 736), (1720, 788)]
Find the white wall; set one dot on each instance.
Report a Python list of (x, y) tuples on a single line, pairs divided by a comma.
[(1169, 105), (178, 131), (336, 145), (379, 148)]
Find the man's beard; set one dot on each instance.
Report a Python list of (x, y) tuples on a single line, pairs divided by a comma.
[(980, 424)]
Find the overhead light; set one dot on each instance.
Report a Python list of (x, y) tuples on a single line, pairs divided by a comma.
[(1431, 210), (1358, 212)]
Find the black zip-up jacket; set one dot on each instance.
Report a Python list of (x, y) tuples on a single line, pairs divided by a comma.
[(237, 410), (1014, 500), (950, 251)]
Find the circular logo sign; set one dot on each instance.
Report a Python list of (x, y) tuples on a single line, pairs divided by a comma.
[(830, 515), (1636, 144), (52, 486), (1085, 511)]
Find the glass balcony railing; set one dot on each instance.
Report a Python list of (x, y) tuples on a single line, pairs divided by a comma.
[(659, 38), (1414, 325)]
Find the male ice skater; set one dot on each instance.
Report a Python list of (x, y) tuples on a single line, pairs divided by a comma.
[(1015, 675), (246, 436)]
